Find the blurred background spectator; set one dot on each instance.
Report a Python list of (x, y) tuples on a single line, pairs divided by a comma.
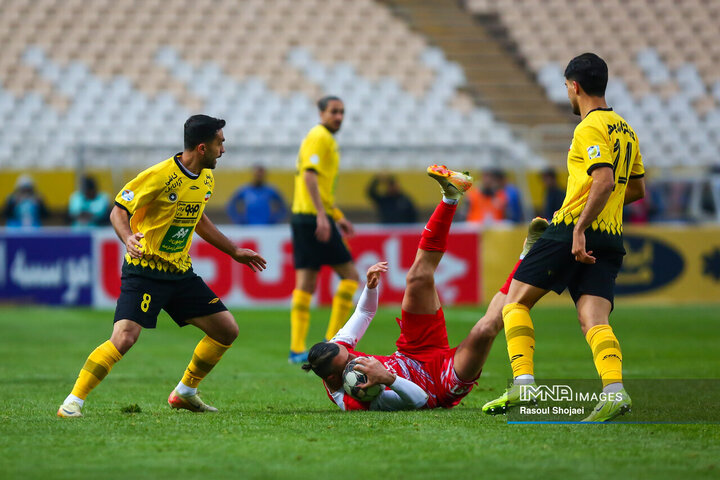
[(257, 203), (490, 200), (24, 207), (514, 209), (391, 203), (487, 202), (554, 195), (88, 207)]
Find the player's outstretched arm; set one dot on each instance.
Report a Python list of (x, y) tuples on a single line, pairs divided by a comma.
[(209, 232), (374, 272), (120, 220), (357, 324)]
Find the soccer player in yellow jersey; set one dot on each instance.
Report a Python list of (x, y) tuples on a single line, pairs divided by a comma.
[(316, 229), (582, 249), (155, 216)]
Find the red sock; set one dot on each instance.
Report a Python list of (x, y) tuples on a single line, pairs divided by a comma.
[(435, 233)]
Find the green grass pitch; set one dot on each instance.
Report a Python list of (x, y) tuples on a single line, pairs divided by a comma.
[(276, 422)]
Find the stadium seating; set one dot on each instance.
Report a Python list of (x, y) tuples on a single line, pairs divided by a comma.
[(125, 73), (663, 55)]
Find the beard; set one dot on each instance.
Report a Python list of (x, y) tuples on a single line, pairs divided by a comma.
[(211, 162), (575, 108)]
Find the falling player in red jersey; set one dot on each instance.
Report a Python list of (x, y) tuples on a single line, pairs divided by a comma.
[(424, 372)]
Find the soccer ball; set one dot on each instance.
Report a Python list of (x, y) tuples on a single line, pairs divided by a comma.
[(353, 378)]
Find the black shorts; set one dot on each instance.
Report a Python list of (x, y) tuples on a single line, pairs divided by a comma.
[(550, 265), (141, 299), (308, 252)]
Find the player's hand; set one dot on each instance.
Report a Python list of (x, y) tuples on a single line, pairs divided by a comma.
[(578, 248), (375, 371), (250, 258), (322, 232), (346, 227), (133, 245), (374, 272)]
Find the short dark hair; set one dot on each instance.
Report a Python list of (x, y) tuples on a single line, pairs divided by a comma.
[(201, 129), (549, 171), (320, 358), (88, 183), (590, 71), (322, 104)]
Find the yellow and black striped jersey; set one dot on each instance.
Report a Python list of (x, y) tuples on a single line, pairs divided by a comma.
[(319, 152), (602, 139), (165, 202)]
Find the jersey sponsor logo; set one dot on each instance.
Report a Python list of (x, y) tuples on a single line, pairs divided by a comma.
[(127, 195), (194, 187), (214, 300), (187, 210), (315, 159), (181, 233), (173, 182), (172, 197), (593, 151), (187, 213), (176, 238)]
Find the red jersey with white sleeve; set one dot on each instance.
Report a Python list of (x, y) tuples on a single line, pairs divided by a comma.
[(423, 357)]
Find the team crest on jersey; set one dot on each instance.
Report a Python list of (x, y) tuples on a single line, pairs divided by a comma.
[(127, 195), (593, 151), (207, 196), (172, 197)]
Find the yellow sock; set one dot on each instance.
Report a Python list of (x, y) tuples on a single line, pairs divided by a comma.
[(520, 337), (206, 355), (299, 320), (341, 306), (96, 367), (606, 353)]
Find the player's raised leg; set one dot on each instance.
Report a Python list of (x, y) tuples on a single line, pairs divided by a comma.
[(420, 294), (221, 330), (98, 365), (593, 314)]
